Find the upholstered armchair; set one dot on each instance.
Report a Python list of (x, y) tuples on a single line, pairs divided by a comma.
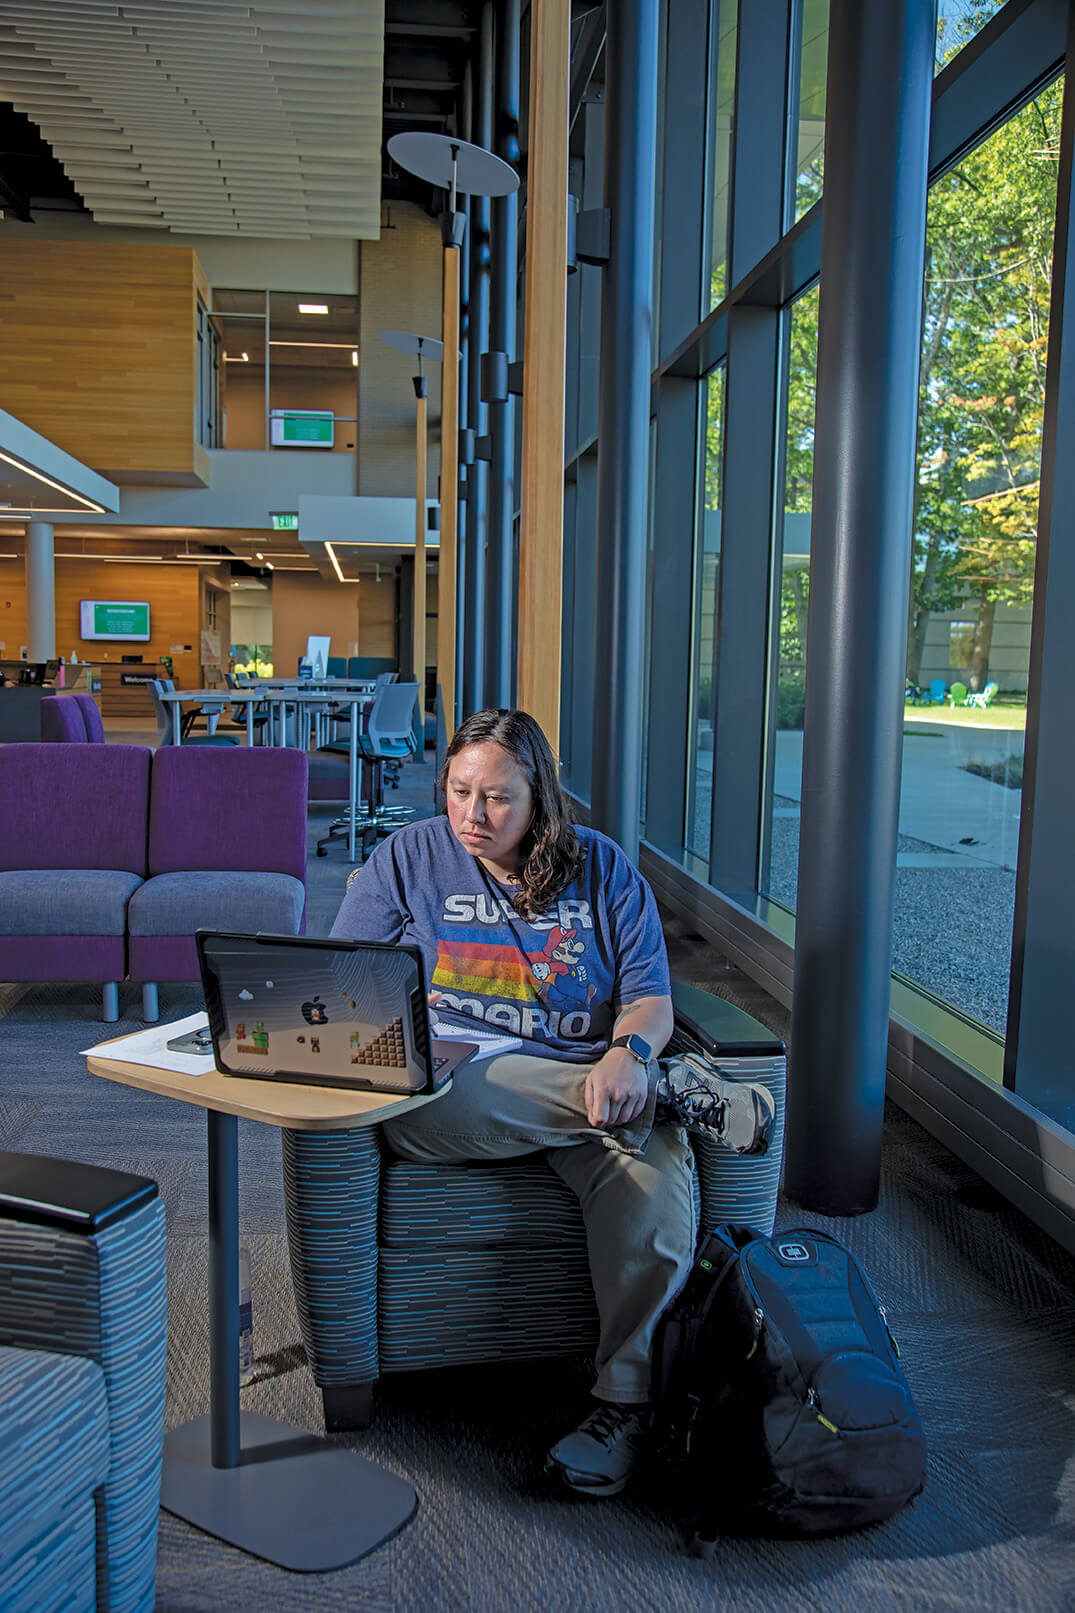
[(62, 720), (83, 1320), (227, 851), (400, 1267)]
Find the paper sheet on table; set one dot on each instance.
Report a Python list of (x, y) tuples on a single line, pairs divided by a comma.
[(489, 1043), (148, 1047)]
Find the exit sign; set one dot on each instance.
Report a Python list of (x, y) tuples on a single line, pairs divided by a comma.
[(284, 520)]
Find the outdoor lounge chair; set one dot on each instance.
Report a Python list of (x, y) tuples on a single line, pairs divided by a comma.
[(982, 697)]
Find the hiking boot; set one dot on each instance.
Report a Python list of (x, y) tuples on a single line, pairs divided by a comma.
[(600, 1456), (692, 1092)]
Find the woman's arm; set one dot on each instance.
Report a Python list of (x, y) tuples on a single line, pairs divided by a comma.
[(617, 1085)]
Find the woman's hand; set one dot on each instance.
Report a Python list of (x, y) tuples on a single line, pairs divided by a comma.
[(616, 1089)]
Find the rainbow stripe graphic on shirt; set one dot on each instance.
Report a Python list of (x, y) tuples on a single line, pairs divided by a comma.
[(483, 970)]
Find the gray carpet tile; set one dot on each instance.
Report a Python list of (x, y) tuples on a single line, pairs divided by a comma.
[(980, 1301)]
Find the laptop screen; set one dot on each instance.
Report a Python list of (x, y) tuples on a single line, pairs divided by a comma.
[(339, 1013)]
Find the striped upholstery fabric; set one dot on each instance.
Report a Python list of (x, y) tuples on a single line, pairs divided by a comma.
[(331, 1188), (399, 1266), (740, 1187), (54, 1453), (481, 1263), (103, 1297), (59, 1574)]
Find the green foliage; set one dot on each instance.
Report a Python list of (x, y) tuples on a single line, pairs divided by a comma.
[(1008, 771), (790, 702), (985, 334)]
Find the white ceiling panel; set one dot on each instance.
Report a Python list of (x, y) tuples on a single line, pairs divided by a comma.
[(187, 114)]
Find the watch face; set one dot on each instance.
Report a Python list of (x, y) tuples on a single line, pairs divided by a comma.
[(634, 1044)]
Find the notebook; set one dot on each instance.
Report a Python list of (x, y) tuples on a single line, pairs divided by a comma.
[(324, 1013)]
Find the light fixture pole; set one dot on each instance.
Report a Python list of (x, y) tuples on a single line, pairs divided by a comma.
[(457, 166), (420, 347)]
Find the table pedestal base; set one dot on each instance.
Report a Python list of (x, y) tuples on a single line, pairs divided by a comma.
[(294, 1500)]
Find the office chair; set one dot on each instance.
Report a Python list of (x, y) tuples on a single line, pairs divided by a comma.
[(389, 737), (164, 720)]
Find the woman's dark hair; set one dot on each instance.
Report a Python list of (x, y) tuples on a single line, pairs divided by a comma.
[(550, 853)]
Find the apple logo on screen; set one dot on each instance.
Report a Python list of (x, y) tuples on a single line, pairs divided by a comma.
[(314, 1012)]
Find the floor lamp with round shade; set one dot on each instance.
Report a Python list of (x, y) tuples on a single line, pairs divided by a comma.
[(459, 168), (421, 348)]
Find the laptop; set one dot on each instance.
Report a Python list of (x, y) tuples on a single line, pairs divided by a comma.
[(325, 1013)]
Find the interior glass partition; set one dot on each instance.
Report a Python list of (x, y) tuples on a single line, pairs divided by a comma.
[(705, 620), (988, 284)]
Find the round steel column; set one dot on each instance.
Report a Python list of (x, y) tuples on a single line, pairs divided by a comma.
[(631, 51), (40, 592), (880, 80)]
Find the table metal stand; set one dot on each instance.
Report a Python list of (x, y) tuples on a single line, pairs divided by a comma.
[(280, 1493)]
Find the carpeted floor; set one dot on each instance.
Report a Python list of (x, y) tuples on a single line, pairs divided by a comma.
[(982, 1304)]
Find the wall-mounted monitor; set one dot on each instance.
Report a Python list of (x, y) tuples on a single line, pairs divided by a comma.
[(122, 620), (302, 428)]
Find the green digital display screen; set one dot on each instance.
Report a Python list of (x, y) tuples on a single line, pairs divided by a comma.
[(114, 619), (302, 428)]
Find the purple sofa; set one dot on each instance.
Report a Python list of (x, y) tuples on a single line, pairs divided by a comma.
[(227, 851), (111, 857), (72, 854)]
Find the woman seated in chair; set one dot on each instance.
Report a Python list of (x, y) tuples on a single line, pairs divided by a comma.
[(546, 930)]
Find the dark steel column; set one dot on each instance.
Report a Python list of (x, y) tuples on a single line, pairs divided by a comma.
[(631, 50), (462, 489), (470, 696), (876, 146), (499, 683), (223, 1149)]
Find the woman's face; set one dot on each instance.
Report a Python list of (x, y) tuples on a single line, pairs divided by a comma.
[(490, 805)]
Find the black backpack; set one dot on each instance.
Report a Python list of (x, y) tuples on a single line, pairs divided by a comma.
[(779, 1393)]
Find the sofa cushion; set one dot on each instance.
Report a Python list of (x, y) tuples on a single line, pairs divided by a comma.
[(65, 901), (54, 1437), (74, 806), (179, 904), (251, 810)]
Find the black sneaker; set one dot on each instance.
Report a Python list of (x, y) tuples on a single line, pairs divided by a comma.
[(692, 1092), (600, 1456)]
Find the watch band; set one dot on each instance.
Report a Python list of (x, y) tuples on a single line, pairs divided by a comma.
[(635, 1045)]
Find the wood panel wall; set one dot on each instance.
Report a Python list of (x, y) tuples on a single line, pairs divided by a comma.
[(173, 593), (100, 353)]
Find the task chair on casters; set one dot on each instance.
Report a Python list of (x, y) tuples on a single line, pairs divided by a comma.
[(389, 738), (401, 1267)]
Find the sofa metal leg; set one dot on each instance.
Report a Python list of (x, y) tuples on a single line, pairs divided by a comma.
[(110, 1002), (150, 1007), (347, 1406)]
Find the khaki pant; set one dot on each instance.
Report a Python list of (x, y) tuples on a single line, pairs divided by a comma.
[(637, 1207)]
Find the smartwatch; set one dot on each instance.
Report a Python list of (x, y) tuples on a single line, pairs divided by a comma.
[(635, 1046)]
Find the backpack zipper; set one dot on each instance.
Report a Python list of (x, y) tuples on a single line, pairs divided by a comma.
[(759, 1323), (892, 1339), (815, 1406)]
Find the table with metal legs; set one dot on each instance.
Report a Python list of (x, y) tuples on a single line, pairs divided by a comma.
[(283, 1494)]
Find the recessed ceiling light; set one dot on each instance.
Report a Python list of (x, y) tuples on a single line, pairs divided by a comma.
[(313, 307), (354, 358)]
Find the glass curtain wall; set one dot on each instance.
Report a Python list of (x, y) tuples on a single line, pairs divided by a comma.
[(703, 658), (791, 569), (989, 241), (733, 406)]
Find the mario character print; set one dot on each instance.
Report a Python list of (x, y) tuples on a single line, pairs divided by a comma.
[(561, 977)]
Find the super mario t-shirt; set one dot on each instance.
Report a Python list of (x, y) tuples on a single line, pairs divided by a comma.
[(558, 982)]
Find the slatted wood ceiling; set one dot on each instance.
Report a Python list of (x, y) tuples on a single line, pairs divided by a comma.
[(207, 116)]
